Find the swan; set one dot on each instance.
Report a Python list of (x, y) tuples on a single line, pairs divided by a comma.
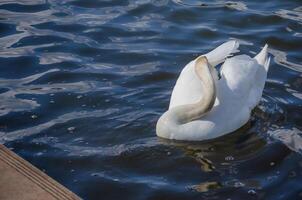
[(204, 106)]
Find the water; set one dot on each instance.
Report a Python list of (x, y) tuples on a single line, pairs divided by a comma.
[(82, 84)]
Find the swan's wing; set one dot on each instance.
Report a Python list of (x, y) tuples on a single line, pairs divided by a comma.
[(260, 77), (225, 50), (258, 86), (238, 77), (246, 76)]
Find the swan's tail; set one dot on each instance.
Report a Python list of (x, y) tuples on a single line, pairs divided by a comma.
[(266, 65), (225, 50), (262, 57)]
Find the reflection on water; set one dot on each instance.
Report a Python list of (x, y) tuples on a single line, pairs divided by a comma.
[(83, 82), (205, 187)]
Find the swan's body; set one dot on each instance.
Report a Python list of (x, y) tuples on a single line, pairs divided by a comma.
[(203, 107)]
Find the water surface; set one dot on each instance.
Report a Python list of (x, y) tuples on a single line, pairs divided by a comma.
[(83, 82)]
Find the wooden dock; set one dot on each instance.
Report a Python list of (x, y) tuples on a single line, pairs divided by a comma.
[(19, 180)]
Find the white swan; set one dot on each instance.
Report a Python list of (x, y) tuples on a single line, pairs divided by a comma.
[(204, 107)]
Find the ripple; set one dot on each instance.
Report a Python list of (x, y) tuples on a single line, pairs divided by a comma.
[(295, 14), (240, 6), (52, 58), (22, 2), (19, 134), (111, 151), (291, 137), (280, 57), (15, 87)]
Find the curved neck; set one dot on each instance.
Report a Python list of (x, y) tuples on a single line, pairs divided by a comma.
[(186, 113), (169, 123)]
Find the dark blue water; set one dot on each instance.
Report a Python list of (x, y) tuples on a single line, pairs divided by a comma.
[(83, 82)]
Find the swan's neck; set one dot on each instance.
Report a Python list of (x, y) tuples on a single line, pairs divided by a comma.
[(179, 115)]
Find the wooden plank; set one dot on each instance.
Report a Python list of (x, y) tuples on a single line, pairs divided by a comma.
[(21, 180)]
